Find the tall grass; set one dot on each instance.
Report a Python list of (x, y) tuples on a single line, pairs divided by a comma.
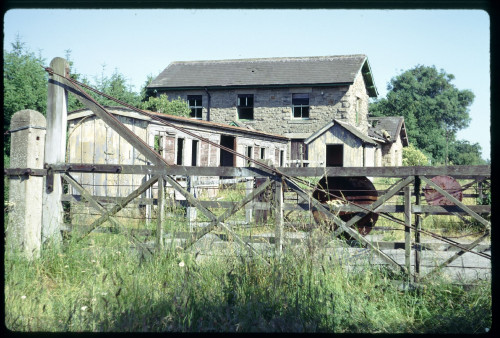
[(99, 284)]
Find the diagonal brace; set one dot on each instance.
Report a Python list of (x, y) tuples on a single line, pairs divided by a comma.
[(380, 201), (458, 203), (342, 224), (99, 207)]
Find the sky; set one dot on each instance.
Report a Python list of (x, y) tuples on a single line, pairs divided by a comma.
[(138, 43)]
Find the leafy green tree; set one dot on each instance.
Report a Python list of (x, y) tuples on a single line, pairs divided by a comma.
[(25, 83), (433, 108), (461, 152), (163, 105), (414, 157), (116, 86)]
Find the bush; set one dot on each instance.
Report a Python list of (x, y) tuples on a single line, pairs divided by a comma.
[(413, 156)]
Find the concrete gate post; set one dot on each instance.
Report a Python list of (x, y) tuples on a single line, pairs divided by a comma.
[(24, 229)]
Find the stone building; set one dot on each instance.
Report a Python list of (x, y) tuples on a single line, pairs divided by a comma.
[(390, 133), (293, 97)]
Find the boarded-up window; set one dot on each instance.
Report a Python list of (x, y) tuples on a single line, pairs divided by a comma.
[(298, 150), (169, 150)]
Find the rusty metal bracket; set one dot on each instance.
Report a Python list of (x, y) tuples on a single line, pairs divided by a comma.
[(24, 172), (94, 168), (49, 181)]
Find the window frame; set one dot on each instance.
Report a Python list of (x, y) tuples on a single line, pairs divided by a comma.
[(246, 108), (300, 106), (196, 107)]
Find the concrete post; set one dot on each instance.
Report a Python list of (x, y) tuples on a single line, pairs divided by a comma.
[(55, 150), (25, 192)]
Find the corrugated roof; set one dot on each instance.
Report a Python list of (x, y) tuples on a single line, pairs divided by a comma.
[(320, 70), (393, 125)]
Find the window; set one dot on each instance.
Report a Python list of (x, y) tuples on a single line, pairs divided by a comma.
[(300, 106), (195, 106), (249, 155), (158, 144), (245, 107), (262, 153)]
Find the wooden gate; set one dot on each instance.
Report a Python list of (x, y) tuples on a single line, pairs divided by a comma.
[(158, 170)]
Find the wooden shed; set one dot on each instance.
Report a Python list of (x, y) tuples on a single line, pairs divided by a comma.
[(90, 140), (338, 144)]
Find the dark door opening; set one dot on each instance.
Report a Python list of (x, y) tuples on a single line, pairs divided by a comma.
[(226, 158), (194, 153), (180, 151), (334, 155)]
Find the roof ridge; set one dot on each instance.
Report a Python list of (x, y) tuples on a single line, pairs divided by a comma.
[(274, 59)]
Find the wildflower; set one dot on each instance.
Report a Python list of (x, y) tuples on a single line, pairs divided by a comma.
[(66, 266), (84, 308), (181, 264), (23, 297)]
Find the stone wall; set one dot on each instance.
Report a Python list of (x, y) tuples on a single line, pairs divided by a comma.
[(273, 107)]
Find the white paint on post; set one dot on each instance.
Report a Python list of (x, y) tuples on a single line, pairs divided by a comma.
[(25, 192), (55, 150)]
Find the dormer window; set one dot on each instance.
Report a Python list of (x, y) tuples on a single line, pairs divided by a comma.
[(300, 106)]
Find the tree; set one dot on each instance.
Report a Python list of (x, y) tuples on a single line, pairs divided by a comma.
[(163, 105), (116, 86), (461, 152), (414, 157), (25, 83), (433, 108)]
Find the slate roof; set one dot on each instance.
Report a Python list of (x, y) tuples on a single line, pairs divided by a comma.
[(287, 71), (353, 130), (394, 125)]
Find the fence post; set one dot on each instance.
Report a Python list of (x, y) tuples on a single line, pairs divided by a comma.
[(24, 229), (249, 206), (278, 214), (418, 227), (160, 214), (191, 211), (407, 205), (55, 150)]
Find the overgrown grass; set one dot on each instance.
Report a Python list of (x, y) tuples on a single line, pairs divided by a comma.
[(98, 284)]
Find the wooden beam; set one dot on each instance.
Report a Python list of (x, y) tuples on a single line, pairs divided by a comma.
[(471, 172), (408, 224)]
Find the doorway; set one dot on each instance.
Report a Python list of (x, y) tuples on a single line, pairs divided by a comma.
[(227, 158), (334, 155)]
